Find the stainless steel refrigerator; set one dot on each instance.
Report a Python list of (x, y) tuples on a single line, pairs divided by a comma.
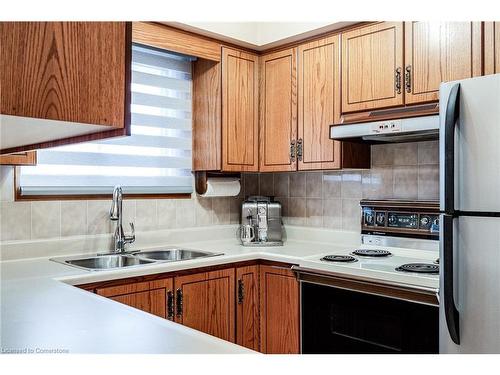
[(469, 146)]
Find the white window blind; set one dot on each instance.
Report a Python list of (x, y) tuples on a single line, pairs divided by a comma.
[(155, 159)]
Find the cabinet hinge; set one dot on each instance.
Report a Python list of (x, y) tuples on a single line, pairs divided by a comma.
[(292, 151)]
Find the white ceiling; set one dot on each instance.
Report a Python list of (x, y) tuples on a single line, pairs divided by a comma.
[(259, 35)]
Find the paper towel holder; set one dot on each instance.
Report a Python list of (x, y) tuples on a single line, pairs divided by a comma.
[(201, 177)]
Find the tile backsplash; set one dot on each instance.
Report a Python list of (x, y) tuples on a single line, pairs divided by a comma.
[(330, 199), (55, 219), (327, 199)]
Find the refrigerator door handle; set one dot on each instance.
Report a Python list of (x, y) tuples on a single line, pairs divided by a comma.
[(451, 118), (450, 308)]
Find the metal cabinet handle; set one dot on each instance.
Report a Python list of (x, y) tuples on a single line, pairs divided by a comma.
[(299, 149), (170, 305), (292, 151), (397, 80), (408, 79), (241, 291), (179, 302)]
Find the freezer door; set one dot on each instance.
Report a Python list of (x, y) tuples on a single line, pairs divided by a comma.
[(477, 287), (476, 146)]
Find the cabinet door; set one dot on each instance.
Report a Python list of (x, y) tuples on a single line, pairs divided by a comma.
[(21, 158), (279, 301), (491, 47), (278, 111), (319, 104), (205, 301), (372, 63), (437, 52), (240, 101), (155, 297), (65, 75), (207, 145), (247, 308)]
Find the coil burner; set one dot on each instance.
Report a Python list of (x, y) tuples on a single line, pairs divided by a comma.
[(426, 268), (371, 253), (339, 258)]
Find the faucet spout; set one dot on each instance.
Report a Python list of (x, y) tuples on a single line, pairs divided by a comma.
[(115, 214)]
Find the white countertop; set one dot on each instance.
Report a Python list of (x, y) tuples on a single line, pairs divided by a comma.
[(41, 309)]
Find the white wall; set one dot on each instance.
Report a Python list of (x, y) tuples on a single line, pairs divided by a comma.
[(260, 35)]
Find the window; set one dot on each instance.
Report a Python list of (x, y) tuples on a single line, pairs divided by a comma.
[(155, 159)]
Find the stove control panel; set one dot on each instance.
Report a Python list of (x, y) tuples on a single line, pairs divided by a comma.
[(414, 219)]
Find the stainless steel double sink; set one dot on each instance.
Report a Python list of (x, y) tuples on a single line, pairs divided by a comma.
[(102, 262)]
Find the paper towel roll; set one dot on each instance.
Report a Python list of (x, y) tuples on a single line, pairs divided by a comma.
[(222, 187)]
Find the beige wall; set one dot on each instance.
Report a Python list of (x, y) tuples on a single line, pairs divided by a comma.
[(320, 199)]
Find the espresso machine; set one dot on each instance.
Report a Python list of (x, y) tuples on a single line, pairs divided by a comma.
[(261, 222)]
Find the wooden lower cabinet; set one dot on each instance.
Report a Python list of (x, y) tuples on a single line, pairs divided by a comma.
[(247, 307), (206, 301), (155, 297), (253, 305), (279, 311)]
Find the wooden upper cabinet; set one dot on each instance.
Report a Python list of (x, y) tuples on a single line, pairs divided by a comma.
[(372, 67), (278, 111), (207, 115), (205, 301), (279, 314), (240, 101), (62, 80), (155, 297), (319, 104), (172, 39), (247, 307), (491, 47), (438, 52)]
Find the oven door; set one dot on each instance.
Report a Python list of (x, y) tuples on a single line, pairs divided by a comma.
[(338, 321)]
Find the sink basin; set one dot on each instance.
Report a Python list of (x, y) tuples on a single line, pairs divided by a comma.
[(116, 261), (174, 254), (104, 262)]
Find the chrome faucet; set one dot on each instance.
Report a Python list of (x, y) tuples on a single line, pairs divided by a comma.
[(115, 214)]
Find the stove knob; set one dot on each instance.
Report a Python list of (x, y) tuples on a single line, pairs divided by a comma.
[(424, 221), (435, 222), (392, 219), (380, 218), (369, 218)]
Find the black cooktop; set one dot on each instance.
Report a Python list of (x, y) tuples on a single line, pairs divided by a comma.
[(426, 268)]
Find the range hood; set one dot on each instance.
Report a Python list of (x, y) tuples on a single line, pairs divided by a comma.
[(389, 131)]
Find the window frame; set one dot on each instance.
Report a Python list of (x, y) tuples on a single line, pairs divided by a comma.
[(26, 198)]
